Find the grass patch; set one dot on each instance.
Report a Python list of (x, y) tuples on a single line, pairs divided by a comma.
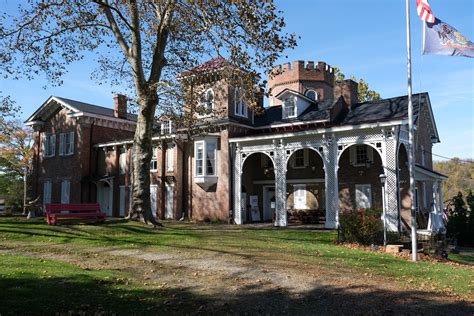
[(272, 246), (46, 287), (461, 258)]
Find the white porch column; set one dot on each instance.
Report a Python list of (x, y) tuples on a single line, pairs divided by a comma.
[(435, 196), (391, 183), (440, 195), (332, 184), (280, 186), (238, 216)]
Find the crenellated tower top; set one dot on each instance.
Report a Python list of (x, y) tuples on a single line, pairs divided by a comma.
[(302, 76)]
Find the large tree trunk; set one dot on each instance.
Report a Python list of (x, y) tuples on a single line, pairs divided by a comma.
[(142, 153)]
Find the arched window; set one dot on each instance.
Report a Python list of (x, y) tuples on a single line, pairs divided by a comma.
[(240, 108), (311, 94), (207, 100)]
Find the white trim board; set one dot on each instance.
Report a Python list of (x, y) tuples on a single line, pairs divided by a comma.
[(290, 181), (317, 131)]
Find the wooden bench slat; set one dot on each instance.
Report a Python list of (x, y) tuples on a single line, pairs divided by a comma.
[(73, 212)]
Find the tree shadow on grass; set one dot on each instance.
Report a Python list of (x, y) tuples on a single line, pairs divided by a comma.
[(82, 293)]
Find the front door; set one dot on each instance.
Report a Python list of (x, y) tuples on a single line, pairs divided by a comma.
[(268, 203), (104, 196), (169, 201)]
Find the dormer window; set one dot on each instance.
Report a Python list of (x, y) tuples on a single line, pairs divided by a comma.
[(207, 101), (289, 107), (239, 105), (311, 94), (166, 127)]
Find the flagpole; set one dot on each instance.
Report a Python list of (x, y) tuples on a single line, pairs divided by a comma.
[(411, 162)]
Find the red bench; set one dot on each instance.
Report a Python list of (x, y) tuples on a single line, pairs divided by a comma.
[(88, 212)]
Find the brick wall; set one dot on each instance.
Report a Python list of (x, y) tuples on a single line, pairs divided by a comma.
[(349, 176), (75, 167), (214, 203), (300, 76)]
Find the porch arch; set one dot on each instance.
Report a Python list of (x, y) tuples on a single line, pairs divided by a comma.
[(288, 156), (359, 182), (306, 185), (374, 148), (258, 180), (403, 174)]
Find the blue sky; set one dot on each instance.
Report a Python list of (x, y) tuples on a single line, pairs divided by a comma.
[(364, 38)]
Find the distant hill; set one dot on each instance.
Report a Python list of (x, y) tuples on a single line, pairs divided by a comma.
[(461, 176)]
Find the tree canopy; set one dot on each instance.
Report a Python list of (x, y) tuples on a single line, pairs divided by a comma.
[(365, 93), (141, 46), (461, 177)]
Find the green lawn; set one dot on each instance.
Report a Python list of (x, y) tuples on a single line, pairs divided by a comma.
[(465, 255), (45, 282)]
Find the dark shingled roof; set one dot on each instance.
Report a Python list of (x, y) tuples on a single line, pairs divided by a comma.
[(92, 108), (213, 64), (87, 107), (366, 112), (384, 110), (314, 112)]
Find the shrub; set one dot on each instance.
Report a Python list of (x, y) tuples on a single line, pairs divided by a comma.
[(461, 219), (362, 226)]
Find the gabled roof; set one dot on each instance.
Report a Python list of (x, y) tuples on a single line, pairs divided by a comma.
[(285, 92), (391, 109), (53, 103)]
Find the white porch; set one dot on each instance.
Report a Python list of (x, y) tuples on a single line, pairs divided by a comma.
[(329, 145)]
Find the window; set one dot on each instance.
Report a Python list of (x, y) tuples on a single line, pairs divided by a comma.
[(361, 155), (166, 127), (123, 162), (363, 194), (199, 154), (49, 145), (240, 107), (47, 192), (210, 158), (300, 158), (299, 196), (289, 107), (65, 191), (205, 157), (170, 157), (311, 94), (207, 101), (154, 160), (66, 144)]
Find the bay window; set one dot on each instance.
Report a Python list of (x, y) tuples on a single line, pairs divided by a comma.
[(205, 152)]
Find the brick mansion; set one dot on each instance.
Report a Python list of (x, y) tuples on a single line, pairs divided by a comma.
[(312, 153)]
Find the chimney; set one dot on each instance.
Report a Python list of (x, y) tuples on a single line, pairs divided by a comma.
[(349, 90), (120, 106)]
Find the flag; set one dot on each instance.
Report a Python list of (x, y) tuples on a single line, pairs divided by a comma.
[(441, 38), (424, 11)]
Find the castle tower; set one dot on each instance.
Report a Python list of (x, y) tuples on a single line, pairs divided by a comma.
[(305, 78)]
